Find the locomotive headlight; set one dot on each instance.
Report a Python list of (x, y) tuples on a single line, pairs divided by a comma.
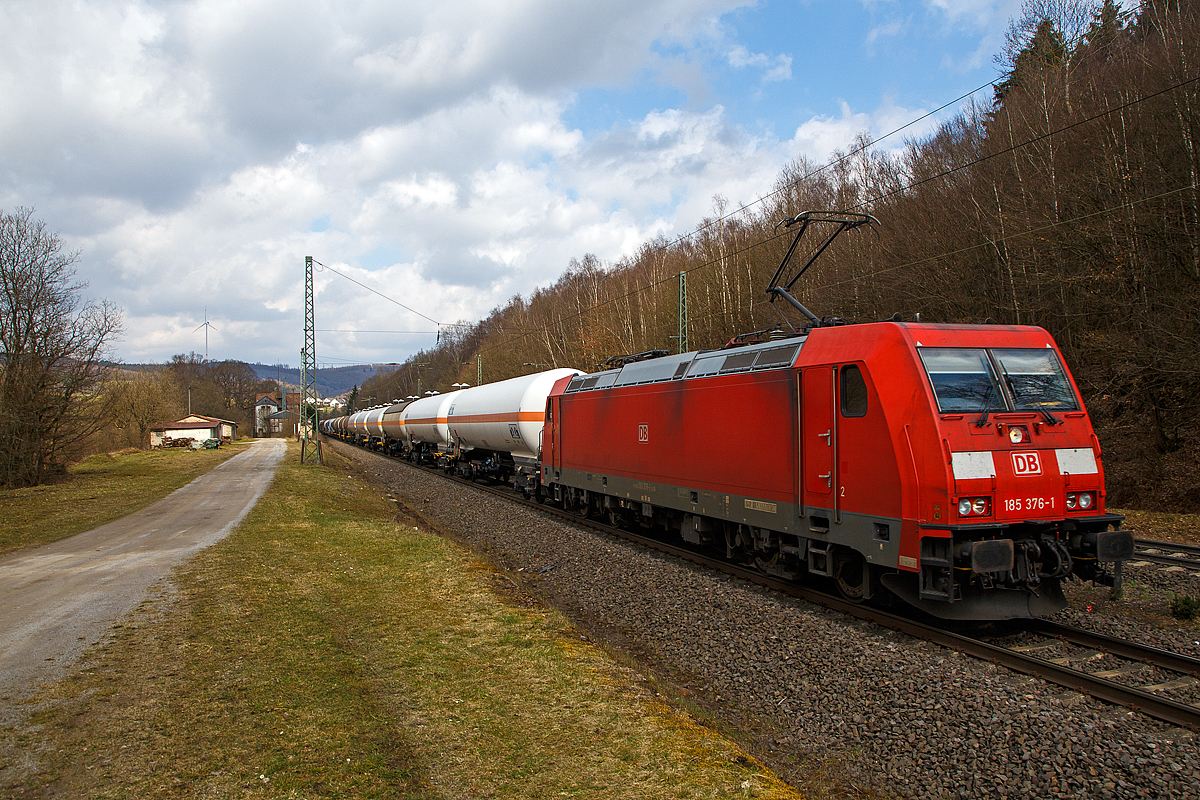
[(974, 506), (1081, 501)]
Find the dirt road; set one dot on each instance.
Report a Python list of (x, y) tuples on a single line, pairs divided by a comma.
[(59, 599)]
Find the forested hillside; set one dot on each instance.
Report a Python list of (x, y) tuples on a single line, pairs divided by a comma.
[(1068, 201)]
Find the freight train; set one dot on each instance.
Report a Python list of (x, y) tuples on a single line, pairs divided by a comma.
[(951, 466)]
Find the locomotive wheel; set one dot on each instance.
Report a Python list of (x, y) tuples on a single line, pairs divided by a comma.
[(614, 517), (583, 509), (850, 574)]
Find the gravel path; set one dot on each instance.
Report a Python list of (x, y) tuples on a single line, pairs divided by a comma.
[(827, 700), (61, 598)]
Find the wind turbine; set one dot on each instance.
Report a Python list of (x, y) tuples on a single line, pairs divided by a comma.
[(206, 326)]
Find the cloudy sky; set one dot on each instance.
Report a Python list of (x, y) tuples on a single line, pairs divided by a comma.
[(449, 155)]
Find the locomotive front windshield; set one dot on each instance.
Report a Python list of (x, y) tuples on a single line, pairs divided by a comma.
[(1036, 380), (977, 379)]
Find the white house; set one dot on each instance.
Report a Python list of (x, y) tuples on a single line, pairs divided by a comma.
[(263, 409), (194, 426)]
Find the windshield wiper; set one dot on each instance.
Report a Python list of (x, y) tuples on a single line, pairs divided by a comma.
[(979, 423), (1051, 420)]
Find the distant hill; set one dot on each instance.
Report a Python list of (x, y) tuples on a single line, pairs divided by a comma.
[(331, 381)]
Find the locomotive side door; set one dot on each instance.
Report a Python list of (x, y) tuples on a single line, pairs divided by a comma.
[(554, 457), (818, 433)]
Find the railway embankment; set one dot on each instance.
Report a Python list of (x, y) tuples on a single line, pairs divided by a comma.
[(833, 704)]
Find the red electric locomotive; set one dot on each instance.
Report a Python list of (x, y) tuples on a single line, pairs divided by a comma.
[(954, 465)]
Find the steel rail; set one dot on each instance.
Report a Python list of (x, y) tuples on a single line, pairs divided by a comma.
[(1175, 547), (1142, 545), (1176, 662), (1152, 705)]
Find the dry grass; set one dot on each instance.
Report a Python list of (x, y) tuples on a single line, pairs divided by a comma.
[(100, 489), (1162, 526), (328, 649)]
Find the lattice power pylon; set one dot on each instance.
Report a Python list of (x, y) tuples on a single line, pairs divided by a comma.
[(310, 431)]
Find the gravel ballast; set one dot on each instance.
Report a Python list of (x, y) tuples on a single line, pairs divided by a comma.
[(805, 688)]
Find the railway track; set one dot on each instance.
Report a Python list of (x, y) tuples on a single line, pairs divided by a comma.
[(1170, 554), (1158, 683)]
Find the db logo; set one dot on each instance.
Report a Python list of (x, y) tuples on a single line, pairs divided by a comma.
[(1026, 464), (643, 433)]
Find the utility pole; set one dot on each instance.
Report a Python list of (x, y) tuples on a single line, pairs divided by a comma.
[(310, 434), (479, 369), (683, 320)]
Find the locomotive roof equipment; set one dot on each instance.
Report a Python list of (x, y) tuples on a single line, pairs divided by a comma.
[(843, 221)]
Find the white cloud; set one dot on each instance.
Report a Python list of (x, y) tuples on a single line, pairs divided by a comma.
[(197, 150), (819, 137), (977, 14), (775, 68), (888, 30)]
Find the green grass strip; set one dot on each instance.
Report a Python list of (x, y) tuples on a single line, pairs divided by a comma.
[(328, 649), (98, 490)]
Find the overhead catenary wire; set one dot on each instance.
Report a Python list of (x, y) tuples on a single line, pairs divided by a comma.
[(381, 294), (682, 237), (363, 330), (870, 202), (752, 246)]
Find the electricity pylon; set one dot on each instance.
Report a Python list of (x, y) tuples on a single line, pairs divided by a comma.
[(310, 432)]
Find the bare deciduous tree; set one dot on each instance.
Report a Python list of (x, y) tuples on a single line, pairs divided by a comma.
[(139, 400), (50, 345)]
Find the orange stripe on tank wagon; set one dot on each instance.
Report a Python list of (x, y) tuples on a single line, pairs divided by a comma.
[(523, 416)]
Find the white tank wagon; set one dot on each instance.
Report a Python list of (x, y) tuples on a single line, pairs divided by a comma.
[(373, 422), (425, 425), (497, 428), (356, 426), (395, 438)]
